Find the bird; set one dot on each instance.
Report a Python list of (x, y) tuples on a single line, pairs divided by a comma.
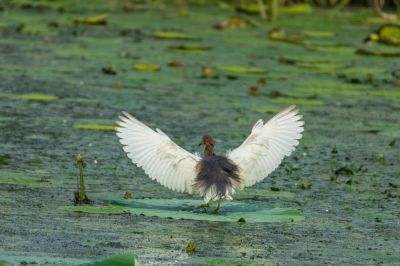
[(214, 177)]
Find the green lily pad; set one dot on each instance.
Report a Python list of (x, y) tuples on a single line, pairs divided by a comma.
[(146, 68), (263, 193), (36, 97), (378, 53), (243, 70), (167, 35), (93, 209), (20, 179), (117, 260), (297, 9), (230, 212), (248, 8), (95, 20), (95, 127), (278, 34), (213, 261), (190, 47), (319, 34), (388, 34), (321, 66)]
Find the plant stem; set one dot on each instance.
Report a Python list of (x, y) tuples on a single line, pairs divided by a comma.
[(272, 9), (81, 180)]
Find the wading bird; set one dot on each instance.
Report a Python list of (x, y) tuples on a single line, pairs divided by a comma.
[(214, 177)]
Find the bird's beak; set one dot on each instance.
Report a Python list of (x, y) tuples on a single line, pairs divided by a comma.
[(201, 143)]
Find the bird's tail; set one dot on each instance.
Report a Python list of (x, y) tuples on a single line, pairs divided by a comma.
[(217, 180)]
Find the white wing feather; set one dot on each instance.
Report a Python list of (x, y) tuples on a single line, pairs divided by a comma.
[(160, 158), (266, 146)]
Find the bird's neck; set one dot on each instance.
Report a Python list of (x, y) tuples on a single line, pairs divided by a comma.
[(209, 151)]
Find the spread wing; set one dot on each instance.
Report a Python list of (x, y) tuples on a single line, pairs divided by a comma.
[(161, 159), (266, 146)]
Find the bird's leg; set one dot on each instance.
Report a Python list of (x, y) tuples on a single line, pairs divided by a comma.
[(216, 210), (202, 206)]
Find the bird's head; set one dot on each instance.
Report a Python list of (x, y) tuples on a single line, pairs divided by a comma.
[(208, 141)]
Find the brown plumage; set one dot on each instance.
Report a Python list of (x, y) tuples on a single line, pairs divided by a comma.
[(217, 176)]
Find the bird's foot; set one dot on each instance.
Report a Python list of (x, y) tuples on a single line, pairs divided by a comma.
[(216, 210), (202, 206)]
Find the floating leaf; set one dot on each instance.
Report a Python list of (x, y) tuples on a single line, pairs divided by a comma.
[(146, 68), (321, 66), (96, 20), (312, 64), (190, 47), (20, 179), (345, 170), (220, 261), (234, 23), (243, 70), (93, 209), (305, 185), (387, 34), (95, 127), (36, 97), (128, 195), (230, 212), (263, 193), (242, 220), (392, 143), (176, 63), (207, 72), (321, 34), (297, 9), (278, 34), (191, 247), (109, 70), (378, 53), (116, 260), (248, 8), (168, 35)]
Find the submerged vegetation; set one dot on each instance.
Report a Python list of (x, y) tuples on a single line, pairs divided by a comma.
[(68, 69)]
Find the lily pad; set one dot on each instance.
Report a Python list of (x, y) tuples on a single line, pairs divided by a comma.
[(378, 53), (234, 23), (388, 34), (36, 97), (231, 212), (243, 70), (321, 66), (297, 9), (278, 34), (213, 261), (117, 260), (93, 209), (20, 179), (319, 34), (190, 47), (248, 8), (95, 20), (168, 35), (95, 127), (146, 68)]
